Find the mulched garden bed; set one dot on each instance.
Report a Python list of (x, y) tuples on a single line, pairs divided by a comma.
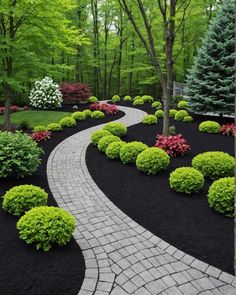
[(24, 270), (186, 222)]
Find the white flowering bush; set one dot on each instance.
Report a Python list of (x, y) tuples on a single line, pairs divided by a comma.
[(46, 94)]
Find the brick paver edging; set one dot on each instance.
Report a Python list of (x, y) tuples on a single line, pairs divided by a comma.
[(121, 256)]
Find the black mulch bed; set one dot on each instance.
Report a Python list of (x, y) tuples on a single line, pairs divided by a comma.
[(187, 222), (24, 270)]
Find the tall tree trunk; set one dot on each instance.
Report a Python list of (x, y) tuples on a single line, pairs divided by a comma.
[(131, 66), (106, 30), (118, 81)]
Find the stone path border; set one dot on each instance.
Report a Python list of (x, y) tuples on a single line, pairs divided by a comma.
[(121, 256)]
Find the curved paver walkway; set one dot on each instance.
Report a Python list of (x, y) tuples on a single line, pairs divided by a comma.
[(121, 256)]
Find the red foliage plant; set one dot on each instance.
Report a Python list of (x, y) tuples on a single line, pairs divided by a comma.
[(75, 92), (174, 145), (1, 110), (14, 108), (104, 107), (41, 135), (228, 129)]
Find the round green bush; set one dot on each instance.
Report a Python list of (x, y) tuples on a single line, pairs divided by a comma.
[(149, 119), (115, 98), (157, 104), (138, 102), (98, 115), (172, 113), (87, 113), (45, 226), (22, 198), (137, 97), (159, 113), (221, 195), (54, 127), (105, 141), (186, 180), (209, 127), (147, 98), (92, 99), (67, 122), (97, 135), (188, 119), (79, 116), (40, 128), (214, 164), (19, 155), (183, 104), (152, 160), (130, 151), (113, 150), (180, 115), (118, 129), (127, 98)]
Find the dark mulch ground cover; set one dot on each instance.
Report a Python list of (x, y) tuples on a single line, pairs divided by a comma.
[(24, 270), (187, 222)]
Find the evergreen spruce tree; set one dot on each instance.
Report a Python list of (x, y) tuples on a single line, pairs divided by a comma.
[(211, 81)]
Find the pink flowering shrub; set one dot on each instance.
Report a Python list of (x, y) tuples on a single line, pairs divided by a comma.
[(41, 135), (104, 107), (228, 129)]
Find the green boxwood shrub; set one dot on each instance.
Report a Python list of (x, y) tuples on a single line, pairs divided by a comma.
[(147, 98), (137, 97), (115, 98), (209, 127), (214, 164), (180, 115), (221, 195), (98, 115), (186, 180), (183, 104), (97, 135), (172, 113), (79, 116), (138, 102), (22, 198), (40, 128), (188, 119), (113, 150), (45, 226), (130, 151), (105, 141), (149, 119), (152, 160), (19, 155), (67, 122), (157, 104), (118, 129), (87, 113), (92, 99), (54, 127), (159, 113), (127, 98)]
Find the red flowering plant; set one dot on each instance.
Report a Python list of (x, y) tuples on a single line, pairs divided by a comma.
[(41, 135), (104, 107), (228, 129), (1, 110), (174, 145), (14, 108)]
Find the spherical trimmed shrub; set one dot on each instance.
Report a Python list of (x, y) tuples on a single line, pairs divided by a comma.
[(159, 113), (149, 119), (118, 129), (214, 164), (19, 155), (45, 226), (105, 141), (183, 104), (152, 160), (92, 99), (130, 151), (87, 113), (79, 116), (22, 198), (157, 104), (40, 128), (54, 127), (172, 113), (221, 195), (127, 98), (209, 127), (97, 135), (113, 150), (137, 97), (180, 115), (46, 94), (98, 115), (147, 98), (138, 102), (115, 98), (188, 119), (186, 180), (67, 122)]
